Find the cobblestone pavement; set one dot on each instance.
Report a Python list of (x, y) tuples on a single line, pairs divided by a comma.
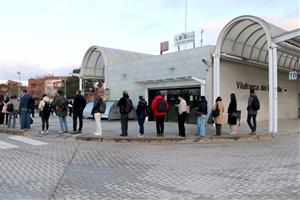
[(63, 169)]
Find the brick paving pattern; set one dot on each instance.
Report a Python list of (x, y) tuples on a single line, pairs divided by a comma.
[(64, 169)]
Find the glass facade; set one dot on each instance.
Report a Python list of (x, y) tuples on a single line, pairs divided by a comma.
[(191, 95)]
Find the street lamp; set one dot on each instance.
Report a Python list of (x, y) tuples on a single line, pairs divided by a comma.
[(19, 88)]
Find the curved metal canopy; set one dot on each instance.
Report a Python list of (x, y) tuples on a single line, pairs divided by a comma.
[(96, 59), (248, 38)]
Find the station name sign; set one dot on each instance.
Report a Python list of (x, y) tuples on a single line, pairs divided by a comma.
[(262, 87)]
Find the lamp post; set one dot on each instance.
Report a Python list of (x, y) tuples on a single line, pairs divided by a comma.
[(19, 88)]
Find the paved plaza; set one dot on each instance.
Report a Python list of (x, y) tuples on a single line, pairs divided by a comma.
[(113, 128), (48, 168)]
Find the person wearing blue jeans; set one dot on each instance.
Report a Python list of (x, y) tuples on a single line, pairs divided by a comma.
[(26, 103), (141, 114), (201, 125), (62, 111), (201, 111)]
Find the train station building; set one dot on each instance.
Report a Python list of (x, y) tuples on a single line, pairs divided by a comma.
[(250, 53)]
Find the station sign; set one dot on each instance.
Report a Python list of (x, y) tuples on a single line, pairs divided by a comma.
[(184, 38), (293, 75)]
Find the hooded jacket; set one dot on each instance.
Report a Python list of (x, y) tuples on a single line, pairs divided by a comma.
[(154, 106)]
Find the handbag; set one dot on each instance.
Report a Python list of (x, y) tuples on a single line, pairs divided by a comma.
[(210, 119), (234, 114), (102, 107), (215, 112)]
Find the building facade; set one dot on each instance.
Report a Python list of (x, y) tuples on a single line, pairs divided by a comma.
[(45, 85), (250, 53)]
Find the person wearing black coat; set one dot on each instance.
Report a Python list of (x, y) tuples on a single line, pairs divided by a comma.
[(78, 107), (141, 114), (232, 114), (125, 107), (201, 112)]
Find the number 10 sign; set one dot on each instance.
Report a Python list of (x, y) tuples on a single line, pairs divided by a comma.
[(293, 75)]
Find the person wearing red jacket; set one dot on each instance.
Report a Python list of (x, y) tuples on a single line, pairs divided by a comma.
[(159, 107)]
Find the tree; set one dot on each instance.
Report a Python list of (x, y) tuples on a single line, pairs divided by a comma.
[(72, 85)]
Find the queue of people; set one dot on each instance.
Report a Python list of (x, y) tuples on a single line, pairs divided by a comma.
[(11, 107)]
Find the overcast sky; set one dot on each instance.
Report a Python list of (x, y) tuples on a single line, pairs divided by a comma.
[(51, 36)]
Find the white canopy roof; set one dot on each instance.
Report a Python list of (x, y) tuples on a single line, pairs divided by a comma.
[(96, 59), (248, 38)]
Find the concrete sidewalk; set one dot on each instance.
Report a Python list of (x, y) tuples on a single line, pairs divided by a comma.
[(111, 130)]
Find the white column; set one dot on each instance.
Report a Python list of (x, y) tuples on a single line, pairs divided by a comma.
[(270, 90), (216, 76), (80, 83), (202, 90), (275, 90)]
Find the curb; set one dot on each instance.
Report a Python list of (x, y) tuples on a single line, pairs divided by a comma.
[(166, 139), (176, 139)]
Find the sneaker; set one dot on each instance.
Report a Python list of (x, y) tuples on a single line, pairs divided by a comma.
[(140, 135), (79, 131), (65, 131), (42, 132), (60, 132)]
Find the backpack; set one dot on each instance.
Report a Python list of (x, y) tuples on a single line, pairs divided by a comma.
[(128, 105), (102, 107), (161, 106), (63, 104), (255, 103), (47, 108), (10, 107)]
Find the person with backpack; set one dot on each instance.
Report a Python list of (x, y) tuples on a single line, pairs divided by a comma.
[(1, 113), (160, 108), (25, 107), (78, 107), (252, 108), (61, 104), (201, 113), (232, 114), (45, 109), (141, 114), (218, 111), (12, 109), (182, 114), (125, 107), (5, 111)]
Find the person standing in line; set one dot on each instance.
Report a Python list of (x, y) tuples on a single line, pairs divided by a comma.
[(232, 114), (26, 104), (1, 113), (61, 104), (45, 109), (70, 106), (6, 100), (78, 107), (201, 112), (141, 114), (12, 107), (219, 108), (182, 113), (96, 111), (159, 107), (125, 107), (253, 107)]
